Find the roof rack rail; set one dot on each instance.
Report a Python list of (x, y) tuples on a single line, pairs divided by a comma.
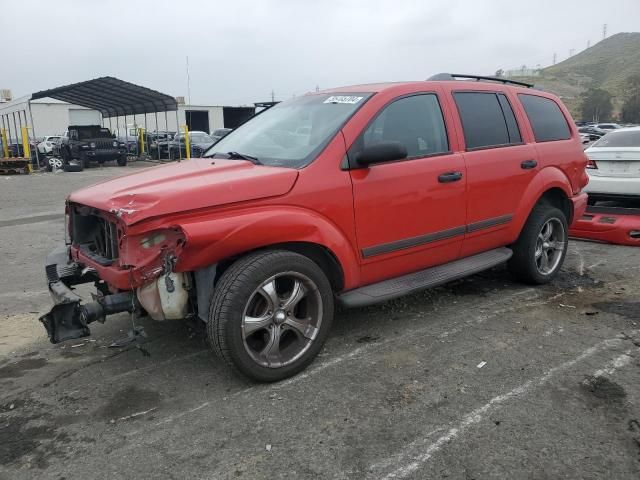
[(454, 76)]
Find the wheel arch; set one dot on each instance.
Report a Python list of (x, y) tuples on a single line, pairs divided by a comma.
[(556, 197), (319, 254), (551, 187)]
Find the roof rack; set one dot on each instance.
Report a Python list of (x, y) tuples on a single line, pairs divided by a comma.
[(454, 76)]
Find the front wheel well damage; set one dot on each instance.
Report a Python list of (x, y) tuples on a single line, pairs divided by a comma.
[(321, 255)]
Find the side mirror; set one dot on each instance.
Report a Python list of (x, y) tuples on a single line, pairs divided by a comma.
[(381, 152)]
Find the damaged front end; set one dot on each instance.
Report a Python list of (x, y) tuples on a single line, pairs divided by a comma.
[(69, 319), (132, 269)]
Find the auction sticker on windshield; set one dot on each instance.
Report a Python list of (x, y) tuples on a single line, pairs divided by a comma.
[(343, 99)]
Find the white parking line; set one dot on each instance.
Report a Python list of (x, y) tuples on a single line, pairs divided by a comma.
[(417, 453), (366, 349)]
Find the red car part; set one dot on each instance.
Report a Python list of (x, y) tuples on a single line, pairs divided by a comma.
[(609, 224)]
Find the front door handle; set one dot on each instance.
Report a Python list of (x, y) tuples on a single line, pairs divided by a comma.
[(528, 164), (449, 177)]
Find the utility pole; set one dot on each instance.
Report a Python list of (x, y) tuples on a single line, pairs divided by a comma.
[(604, 31), (555, 57), (188, 82), (317, 88), (588, 43), (571, 52), (273, 96)]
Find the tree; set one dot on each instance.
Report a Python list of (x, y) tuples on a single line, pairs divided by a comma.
[(595, 104), (499, 73), (631, 106)]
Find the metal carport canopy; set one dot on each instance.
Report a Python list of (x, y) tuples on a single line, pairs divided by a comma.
[(112, 97)]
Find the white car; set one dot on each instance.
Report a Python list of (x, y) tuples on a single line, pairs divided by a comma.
[(608, 126), (45, 147), (614, 166)]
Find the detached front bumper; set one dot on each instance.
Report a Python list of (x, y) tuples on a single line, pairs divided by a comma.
[(69, 318)]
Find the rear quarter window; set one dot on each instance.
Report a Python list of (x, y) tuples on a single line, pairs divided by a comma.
[(546, 118)]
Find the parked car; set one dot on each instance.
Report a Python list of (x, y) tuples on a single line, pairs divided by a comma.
[(593, 132), (608, 126), (176, 147), (88, 143), (45, 147), (585, 137), (220, 133), (398, 187), (614, 166)]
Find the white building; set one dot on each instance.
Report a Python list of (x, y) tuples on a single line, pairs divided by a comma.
[(51, 117)]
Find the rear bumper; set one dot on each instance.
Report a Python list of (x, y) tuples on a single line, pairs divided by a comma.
[(609, 224), (615, 186), (579, 206)]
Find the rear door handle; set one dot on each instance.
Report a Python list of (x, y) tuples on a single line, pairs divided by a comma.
[(449, 177), (528, 164)]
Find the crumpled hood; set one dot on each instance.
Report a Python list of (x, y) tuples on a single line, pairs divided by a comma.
[(183, 186)]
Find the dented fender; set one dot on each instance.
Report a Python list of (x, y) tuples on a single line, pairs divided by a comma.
[(211, 240)]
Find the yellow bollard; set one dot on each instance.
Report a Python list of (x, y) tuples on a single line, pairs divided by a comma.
[(187, 144), (141, 140), (5, 143), (26, 152)]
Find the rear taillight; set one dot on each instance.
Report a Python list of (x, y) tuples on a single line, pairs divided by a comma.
[(592, 165)]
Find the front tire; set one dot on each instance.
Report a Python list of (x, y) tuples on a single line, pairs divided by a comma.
[(270, 314), (122, 161), (539, 252)]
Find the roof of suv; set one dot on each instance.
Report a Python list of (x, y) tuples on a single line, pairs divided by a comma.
[(379, 87)]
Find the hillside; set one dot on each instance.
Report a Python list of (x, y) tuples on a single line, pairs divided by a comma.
[(608, 65)]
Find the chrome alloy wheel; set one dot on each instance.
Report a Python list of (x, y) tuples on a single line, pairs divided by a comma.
[(281, 319), (550, 246)]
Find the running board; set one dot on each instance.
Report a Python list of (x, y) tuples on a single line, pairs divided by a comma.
[(431, 277)]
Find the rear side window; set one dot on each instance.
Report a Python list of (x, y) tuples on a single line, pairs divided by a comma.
[(546, 118), (487, 120), (414, 121)]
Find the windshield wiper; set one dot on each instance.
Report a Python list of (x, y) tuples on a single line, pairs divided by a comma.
[(243, 156)]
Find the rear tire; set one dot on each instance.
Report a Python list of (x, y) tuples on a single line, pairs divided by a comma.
[(270, 314), (122, 160), (539, 252)]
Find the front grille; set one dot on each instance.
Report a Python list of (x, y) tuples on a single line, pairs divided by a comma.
[(95, 235), (104, 144), (106, 239)]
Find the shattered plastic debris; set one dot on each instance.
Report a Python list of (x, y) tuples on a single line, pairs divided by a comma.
[(566, 306), (268, 448), (481, 364)]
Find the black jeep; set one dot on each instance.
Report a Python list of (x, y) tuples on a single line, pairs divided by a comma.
[(88, 143)]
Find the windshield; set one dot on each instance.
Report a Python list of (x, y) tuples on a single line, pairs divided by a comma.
[(619, 139), (292, 133)]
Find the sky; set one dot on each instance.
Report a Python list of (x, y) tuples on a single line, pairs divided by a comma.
[(241, 51)]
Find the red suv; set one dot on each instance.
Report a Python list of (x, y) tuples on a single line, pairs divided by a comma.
[(354, 195)]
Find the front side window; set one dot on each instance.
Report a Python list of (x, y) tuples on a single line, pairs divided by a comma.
[(487, 120), (274, 136), (415, 121), (546, 118)]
